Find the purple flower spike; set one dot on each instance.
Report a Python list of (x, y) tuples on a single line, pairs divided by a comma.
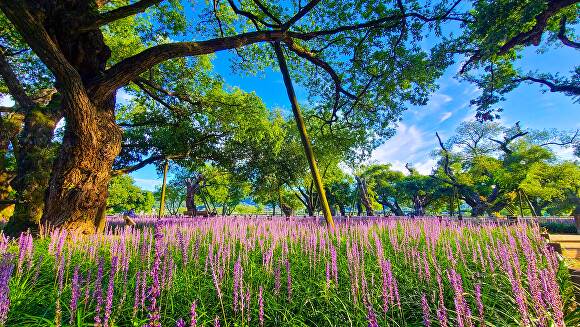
[(425, 307)]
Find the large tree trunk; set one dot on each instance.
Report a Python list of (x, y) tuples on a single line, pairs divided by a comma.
[(10, 126), (75, 51), (82, 171), (394, 207)]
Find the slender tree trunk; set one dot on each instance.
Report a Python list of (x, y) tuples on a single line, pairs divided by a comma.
[(364, 197), (303, 135), (342, 209), (163, 189), (310, 207)]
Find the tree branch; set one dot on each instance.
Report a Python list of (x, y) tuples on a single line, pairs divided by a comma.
[(534, 35), (14, 86), (508, 139), (36, 36), (562, 35), (379, 22), (303, 53), (303, 11), (120, 13), (151, 122), (531, 36), (180, 96), (564, 143), (267, 12), (155, 97), (446, 167), (571, 89), (130, 68), (7, 109), (255, 19), (137, 166)]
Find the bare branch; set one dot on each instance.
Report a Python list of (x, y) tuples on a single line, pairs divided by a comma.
[(382, 22), (508, 139), (446, 167), (267, 12), (155, 97), (151, 122), (180, 96), (303, 53), (563, 143)]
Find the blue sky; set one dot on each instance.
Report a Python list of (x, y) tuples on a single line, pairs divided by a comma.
[(447, 108)]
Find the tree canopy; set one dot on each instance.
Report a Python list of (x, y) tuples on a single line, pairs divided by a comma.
[(361, 63)]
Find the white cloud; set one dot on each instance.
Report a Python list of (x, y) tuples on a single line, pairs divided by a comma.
[(405, 143), (426, 166), (445, 116), (436, 102), (409, 145)]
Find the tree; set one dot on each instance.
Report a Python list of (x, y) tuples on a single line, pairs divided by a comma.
[(421, 190), (489, 182), (495, 38), (68, 38), (340, 191), (124, 195), (383, 183), (553, 188), (175, 195), (223, 190), (26, 130)]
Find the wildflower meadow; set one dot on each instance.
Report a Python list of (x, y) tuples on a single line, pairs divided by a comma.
[(259, 272)]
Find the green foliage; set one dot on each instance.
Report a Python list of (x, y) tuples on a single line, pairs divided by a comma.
[(125, 195), (493, 168), (174, 197), (222, 189), (495, 39), (559, 228)]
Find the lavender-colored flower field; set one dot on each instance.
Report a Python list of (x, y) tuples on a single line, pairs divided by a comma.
[(259, 272)]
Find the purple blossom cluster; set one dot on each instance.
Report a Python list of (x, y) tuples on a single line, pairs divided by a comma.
[(190, 272)]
